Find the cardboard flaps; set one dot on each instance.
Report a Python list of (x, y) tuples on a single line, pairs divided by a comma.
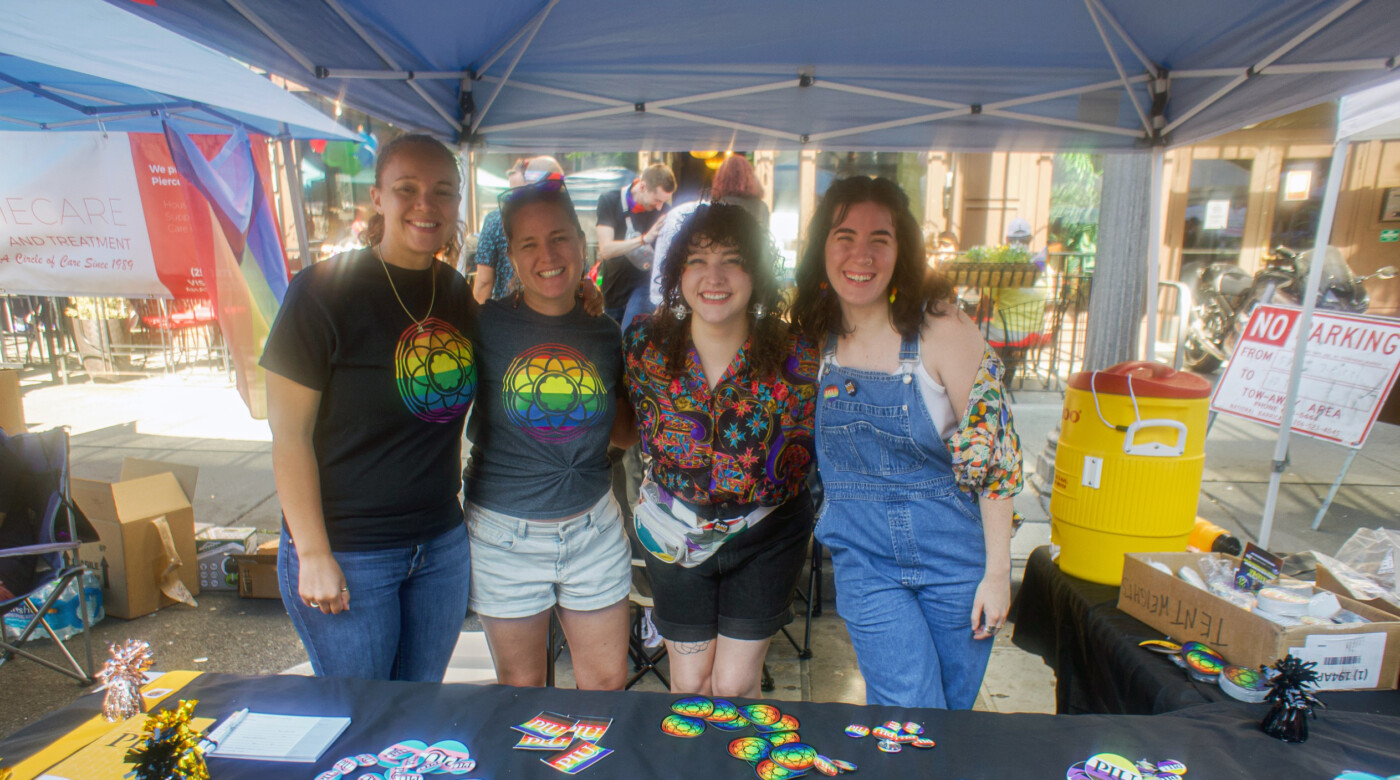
[(1354, 656), (145, 522)]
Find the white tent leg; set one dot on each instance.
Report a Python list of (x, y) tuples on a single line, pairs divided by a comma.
[(1154, 250), (1295, 377)]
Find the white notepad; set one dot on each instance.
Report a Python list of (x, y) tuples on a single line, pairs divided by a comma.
[(296, 738)]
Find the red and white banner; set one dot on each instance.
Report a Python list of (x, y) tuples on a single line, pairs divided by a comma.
[(96, 214), (1350, 366)]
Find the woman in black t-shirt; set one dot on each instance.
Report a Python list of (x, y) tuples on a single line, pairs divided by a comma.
[(370, 372)]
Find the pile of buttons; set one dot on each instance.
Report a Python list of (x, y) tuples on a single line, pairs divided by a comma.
[(775, 751), (411, 758), (893, 735), (1111, 766)]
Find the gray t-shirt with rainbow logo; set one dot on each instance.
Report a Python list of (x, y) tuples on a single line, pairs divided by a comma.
[(544, 410)]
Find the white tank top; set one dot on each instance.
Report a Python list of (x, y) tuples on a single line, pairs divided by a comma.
[(940, 409)]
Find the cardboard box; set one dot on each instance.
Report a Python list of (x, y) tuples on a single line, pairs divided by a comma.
[(257, 572), (11, 403), (1327, 581), (217, 571), (141, 563), (1366, 655)]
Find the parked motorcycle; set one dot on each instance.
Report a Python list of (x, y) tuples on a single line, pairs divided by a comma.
[(1225, 295)]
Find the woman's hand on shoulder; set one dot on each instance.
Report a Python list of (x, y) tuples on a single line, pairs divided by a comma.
[(952, 353), (591, 296)]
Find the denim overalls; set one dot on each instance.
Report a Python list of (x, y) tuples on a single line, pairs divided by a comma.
[(905, 540)]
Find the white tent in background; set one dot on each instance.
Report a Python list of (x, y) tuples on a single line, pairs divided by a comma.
[(1369, 115)]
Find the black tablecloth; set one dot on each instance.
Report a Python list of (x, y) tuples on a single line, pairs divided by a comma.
[(1077, 628), (1214, 741)]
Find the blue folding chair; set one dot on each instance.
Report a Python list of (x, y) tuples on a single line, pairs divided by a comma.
[(39, 544)]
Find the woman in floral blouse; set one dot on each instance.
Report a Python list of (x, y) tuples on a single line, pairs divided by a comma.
[(724, 395), (916, 452)]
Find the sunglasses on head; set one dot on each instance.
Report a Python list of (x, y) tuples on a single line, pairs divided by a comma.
[(554, 182)]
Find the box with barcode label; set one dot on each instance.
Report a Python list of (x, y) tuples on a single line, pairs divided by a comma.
[(1355, 656)]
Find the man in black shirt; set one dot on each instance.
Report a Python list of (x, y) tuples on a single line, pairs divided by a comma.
[(628, 222)]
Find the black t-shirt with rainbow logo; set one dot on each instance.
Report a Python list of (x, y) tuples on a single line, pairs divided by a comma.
[(393, 395), (544, 411)]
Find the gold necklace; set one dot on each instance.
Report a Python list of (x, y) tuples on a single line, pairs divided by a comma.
[(432, 300)]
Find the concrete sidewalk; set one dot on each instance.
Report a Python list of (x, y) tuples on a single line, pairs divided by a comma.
[(196, 417)]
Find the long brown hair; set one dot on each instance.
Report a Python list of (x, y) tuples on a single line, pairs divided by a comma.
[(374, 227), (920, 291), (723, 225)]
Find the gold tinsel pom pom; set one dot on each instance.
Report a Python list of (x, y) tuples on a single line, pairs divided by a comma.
[(169, 749)]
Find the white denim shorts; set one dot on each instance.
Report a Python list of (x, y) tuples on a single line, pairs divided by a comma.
[(524, 567)]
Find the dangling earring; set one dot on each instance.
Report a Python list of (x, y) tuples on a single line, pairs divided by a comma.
[(822, 286), (679, 310), (894, 291), (759, 311)]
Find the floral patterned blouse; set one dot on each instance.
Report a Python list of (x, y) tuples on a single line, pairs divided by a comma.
[(985, 448), (747, 441)]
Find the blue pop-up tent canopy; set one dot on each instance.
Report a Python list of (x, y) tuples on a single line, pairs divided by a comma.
[(87, 65), (848, 74)]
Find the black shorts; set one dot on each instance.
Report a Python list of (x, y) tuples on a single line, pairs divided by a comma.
[(744, 590)]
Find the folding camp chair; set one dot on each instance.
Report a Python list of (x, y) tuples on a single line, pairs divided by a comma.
[(41, 507)]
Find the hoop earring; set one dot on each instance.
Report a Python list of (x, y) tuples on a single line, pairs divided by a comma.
[(679, 310), (759, 311)]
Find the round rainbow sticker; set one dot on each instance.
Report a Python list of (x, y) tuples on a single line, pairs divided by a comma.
[(435, 369), (553, 393)]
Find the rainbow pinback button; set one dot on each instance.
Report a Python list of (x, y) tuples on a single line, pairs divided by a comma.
[(856, 731)]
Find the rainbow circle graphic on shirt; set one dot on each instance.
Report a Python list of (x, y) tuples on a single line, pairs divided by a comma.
[(553, 393), (436, 371)]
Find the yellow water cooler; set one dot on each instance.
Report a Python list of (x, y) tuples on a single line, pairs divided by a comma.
[(1128, 466)]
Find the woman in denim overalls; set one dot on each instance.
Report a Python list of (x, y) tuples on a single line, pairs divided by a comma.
[(922, 567)]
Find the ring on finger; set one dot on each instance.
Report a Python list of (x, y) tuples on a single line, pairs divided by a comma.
[(313, 605)]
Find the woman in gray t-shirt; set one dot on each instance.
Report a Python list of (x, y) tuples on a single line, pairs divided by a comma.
[(546, 534)]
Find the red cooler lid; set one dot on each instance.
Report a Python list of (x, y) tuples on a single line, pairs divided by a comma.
[(1150, 380)]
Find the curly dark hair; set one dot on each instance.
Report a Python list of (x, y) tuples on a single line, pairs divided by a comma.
[(723, 225), (921, 290)]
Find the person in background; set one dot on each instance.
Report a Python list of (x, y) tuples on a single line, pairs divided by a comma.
[(724, 392), (494, 276), (628, 223), (916, 452), (371, 369), (736, 184), (546, 534)]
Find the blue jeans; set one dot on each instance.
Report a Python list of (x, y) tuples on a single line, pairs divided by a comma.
[(407, 605)]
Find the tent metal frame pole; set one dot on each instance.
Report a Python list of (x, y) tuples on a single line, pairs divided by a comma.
[(893, 123), (722, 94), (554, 120), (25, 122), (272, 34), (1141, 78), (556, 92), (1293, 43), (1118, 66), (534, 20), (1123, 34), (705, 120), (293, 165), (1304, 328), (393, 75), (1154, 250), (537, 23), (1290, 69), (1070, 123), (887, 95), (388, 59)]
